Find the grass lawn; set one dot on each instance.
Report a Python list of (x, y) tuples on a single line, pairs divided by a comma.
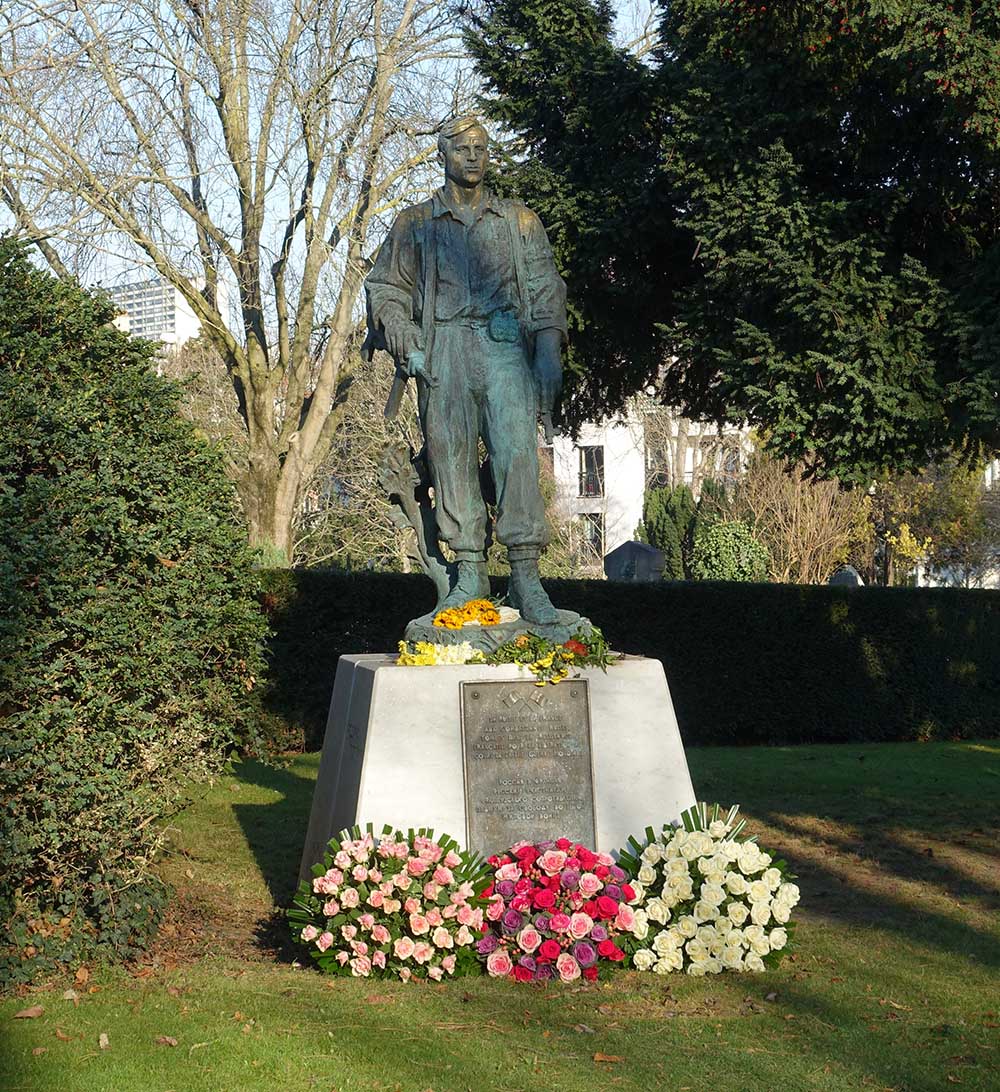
[(894, 984)]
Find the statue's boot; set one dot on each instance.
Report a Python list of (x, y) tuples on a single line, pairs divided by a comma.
[(473, 583), (527, 594)]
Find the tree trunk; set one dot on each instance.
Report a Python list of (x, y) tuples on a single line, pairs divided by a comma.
[(270, 516)]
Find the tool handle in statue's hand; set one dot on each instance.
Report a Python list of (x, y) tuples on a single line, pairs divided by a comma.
[(395, 395), (550, 433)]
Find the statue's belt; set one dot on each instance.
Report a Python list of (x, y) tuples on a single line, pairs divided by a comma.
[(501, 326)]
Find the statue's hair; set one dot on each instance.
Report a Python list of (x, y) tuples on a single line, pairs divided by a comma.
[(455, 127)]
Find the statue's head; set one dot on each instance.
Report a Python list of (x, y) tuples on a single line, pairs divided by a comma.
[(463, 148)]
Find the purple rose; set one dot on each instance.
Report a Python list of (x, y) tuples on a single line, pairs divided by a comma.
[(511, 921), (487, 944), (598, 933), (542, 923), (613, 891), (543, 846), (545, 971), (505, 888), (617, 874), (569, 879), (527, 961), (584, 953)]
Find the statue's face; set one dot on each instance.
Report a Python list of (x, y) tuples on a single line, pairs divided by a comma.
[(466, 157)]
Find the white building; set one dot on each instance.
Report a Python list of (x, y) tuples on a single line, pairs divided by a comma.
[(155, 310)]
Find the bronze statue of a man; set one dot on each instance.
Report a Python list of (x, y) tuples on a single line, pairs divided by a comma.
[(465, 295)]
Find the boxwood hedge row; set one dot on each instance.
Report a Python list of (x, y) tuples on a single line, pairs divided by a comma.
[(746, 663)]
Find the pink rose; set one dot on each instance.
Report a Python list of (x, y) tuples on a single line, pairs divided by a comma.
[(521, 902), (375, 898), (509, 872), (434, 916), (349, 897), (448, 963), (452, 859), (360, 873), (348, 932), (495, 910), (466, 890), (412, 905), (330, 908), (625, 918), (559, 923), (366, 921), (323, 941), (498, 964), (590, 884), (442, 938), (405, 974), (605, 859), (361, 967), (374, 875), (378, 960), (436, 973), (380, 934), (309, 932), (342, 957), (568, 968), (403, 948), (464, 936), (464, 915), (385, 887), (529, 939), (418, 924), (443, 875), (416, 866), (449, 911), (402, 881), (422, 951), (359, 947), (431, 890), (580, 925), (401, 851), (552, 861), (334, 875), (342, 859), (392, 906)]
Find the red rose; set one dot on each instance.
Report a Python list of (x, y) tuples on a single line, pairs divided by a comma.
[(522, 974), (527, 855), (617, 955), (606, 907), (573, 863), (523, 886), (549, 949), (552, 882), (564, 844), (590, 907), (543, 898), (590, 973), (628, 892), (586, 858), (606, 949), (488, 891), (576, 647), (602, 872)]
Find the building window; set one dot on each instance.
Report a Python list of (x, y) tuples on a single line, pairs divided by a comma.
[(591, 471), (592, 532)]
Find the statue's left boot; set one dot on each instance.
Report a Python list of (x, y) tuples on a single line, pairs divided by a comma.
[(528, 595)]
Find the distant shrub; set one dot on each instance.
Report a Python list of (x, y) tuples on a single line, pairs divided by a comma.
[(727, 550), (131, 633)]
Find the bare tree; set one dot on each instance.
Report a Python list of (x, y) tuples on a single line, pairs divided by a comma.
[(254, 145)]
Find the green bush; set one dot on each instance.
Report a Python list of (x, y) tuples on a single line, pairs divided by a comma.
[(746, 663), (727, 550), (667, 515), (131, 637)]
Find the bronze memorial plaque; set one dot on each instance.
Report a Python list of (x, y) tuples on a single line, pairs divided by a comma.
[(528, 768)]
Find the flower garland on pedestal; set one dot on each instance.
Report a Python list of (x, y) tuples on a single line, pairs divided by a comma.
[(556, 910)]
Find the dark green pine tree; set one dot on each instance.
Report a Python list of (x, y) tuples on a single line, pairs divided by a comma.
[(667, 515), (822, 181)]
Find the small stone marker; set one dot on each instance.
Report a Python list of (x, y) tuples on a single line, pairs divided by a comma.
[(528, 765)]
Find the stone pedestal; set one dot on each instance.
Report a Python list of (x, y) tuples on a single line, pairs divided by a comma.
[(393, 750)]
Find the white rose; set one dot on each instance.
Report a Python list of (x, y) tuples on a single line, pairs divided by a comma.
[(737, 912), (678, 867), (662, 944), (760, 892), (752, 934), (706, 934), (658, 911), (760, 913), (765, 859), (723, 926), (754, 963), (772, 877), (780, 912), (736, 884), (730, 850), (716, 948), (712, 893), (647, 874), (788, 893), (704, 911), (706, 846), (713, 966), (777, 938), (750, 859), (638, 893), (689, 850), (685, 890), (696, 950), (644, 959), (732, 959), (663, 966), (640, 929), (696, 970), (687, 926), (760, 947), (717, 828)]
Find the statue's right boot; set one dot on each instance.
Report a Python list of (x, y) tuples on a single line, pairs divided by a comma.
[(473, 583)]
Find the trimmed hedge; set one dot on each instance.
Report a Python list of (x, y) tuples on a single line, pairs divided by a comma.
[(747, 663)]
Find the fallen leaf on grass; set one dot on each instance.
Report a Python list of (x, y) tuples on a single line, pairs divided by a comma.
[(103, 1042), (173, 991), (62, 1036), (599, 1057), (81, 976), (379, 999), (40, 1050), (770, 997), (71, 995), (952, 1079), (165, 1040), (29, 1014), (583, 1029)]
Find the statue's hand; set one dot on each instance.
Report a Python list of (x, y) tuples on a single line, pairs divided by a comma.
[(402, 340), (548, 368)]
